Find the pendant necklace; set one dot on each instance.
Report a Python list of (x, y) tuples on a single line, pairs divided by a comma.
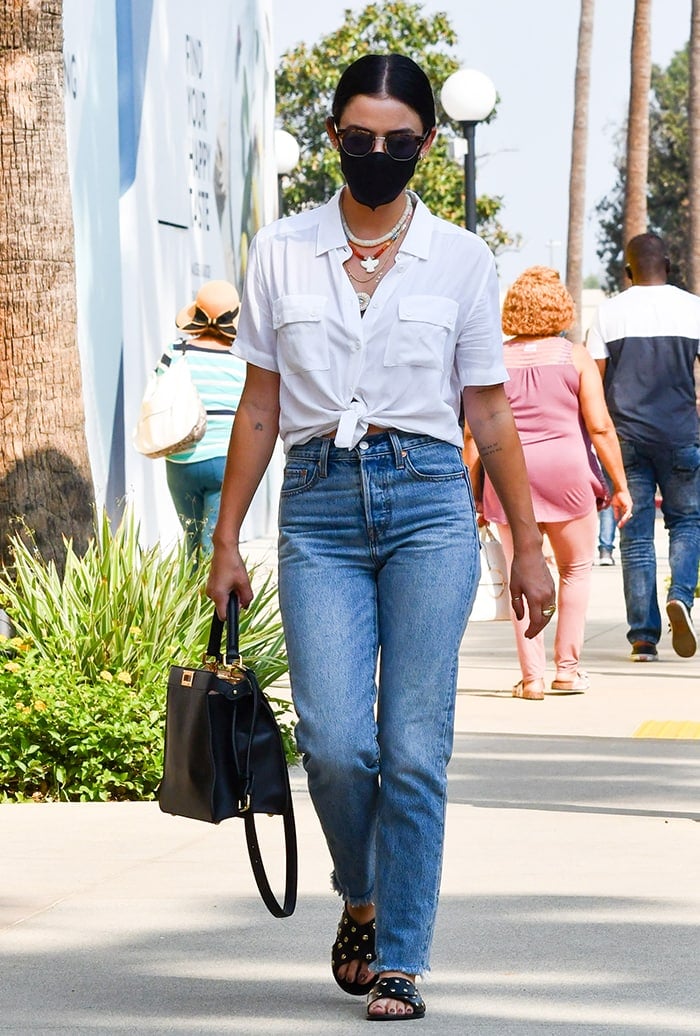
[(370, 262), (363, 297)]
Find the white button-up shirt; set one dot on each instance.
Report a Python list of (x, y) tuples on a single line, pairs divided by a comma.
[(432, 326)]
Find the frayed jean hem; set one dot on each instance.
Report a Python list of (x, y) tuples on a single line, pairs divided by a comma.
[(354, 901)]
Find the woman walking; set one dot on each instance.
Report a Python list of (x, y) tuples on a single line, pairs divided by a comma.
[(365, 324), (557, 399)]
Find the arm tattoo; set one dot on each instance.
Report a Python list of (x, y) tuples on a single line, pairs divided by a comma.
[(490, 448)]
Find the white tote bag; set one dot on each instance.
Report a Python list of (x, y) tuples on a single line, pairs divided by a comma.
[(492, 602), (172, 417)]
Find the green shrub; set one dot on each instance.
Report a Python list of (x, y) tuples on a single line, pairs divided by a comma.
[(82, 684), (63, 736)]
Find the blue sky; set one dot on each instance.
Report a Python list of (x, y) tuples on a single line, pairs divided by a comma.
[(528, 49)]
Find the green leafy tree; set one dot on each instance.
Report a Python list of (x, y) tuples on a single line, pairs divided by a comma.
[(668, 197), (305, 82)]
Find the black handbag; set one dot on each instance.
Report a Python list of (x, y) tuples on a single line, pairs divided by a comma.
[(224, 755)]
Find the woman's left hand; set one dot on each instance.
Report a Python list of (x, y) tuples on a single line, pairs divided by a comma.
[(531, 581)]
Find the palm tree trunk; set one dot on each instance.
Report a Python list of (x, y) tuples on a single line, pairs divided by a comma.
[(694, 148), (635, 212), (577, 176), (45, 477)]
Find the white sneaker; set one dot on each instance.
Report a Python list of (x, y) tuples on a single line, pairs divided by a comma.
[(683, 638)]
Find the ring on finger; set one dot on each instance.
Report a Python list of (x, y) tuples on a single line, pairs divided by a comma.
[(549, 612)]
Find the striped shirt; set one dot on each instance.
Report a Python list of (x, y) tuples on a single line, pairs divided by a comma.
[(219, 377)]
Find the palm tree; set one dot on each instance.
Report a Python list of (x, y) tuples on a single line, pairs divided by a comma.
[(635, 210), (694, 148), (577, 177), (44, 469)]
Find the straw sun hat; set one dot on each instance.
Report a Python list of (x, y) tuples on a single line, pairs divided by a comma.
[(537, 303), (215, 308)]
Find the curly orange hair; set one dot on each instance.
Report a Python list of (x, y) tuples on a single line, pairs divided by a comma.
[(537, 303)]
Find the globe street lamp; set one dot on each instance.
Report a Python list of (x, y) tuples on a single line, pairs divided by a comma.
[(286, 158), (468, 97)]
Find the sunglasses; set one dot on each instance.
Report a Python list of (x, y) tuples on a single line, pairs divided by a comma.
[(401, 145)]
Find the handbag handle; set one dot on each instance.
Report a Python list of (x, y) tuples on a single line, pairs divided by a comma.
[(232, 654), (286, 908)]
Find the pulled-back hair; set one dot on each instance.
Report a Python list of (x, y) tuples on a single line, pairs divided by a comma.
[(387, 75)]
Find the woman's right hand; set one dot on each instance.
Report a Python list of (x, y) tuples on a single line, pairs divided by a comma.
[(228, 575), (621, 504)]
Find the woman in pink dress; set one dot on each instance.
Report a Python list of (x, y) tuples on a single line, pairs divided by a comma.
[(556, 395)]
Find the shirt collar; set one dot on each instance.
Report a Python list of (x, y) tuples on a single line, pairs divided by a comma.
[(331, 234), (330, 230)]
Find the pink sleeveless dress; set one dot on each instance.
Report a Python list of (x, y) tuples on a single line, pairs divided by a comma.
[(564, 474)]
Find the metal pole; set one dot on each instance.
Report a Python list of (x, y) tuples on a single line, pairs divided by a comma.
[(469, 177)]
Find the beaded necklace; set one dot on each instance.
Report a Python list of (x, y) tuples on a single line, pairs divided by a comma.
[(371, 263), (394, 232), (376, 272)]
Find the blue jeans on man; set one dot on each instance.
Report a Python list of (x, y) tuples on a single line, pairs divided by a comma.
[(607, 528), (676, 472)]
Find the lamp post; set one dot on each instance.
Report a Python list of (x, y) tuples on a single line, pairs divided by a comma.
[(286, 158), (468, 97)]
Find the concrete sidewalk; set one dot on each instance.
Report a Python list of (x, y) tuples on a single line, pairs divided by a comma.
[(571, 892)]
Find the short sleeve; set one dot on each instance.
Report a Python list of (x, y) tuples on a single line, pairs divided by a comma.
[(479, 355), (595, 342), (256, 341)]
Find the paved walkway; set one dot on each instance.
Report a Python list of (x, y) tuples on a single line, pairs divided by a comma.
[(571, 892)]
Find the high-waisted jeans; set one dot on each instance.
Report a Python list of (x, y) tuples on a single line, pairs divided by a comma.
[(378, 558)]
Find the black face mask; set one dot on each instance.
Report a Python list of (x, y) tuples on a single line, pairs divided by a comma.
[(376, 179)]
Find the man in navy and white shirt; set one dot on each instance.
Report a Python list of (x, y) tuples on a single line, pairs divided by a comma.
[(646, 342)]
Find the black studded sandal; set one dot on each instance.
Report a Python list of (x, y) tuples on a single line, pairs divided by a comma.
[(395, 989), (353, 941)]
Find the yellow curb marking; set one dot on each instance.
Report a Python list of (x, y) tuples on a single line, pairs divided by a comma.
[(669, 728)]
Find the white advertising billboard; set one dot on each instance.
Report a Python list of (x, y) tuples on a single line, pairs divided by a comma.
[(170, 119)]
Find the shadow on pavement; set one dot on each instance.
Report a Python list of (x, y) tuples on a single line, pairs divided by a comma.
[(577, 774), (502, 964)]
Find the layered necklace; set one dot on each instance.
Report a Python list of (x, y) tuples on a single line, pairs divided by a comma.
[(380, 245)]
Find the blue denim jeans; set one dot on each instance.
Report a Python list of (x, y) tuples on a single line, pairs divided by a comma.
[(676, 471), (607, 526), (379, 562), (196, 492)]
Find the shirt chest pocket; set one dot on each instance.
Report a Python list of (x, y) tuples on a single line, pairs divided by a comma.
[(301, 333), (419, 337)]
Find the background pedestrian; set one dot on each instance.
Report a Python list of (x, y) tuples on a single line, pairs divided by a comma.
[(557, 401), (196, 475), (646, 342)]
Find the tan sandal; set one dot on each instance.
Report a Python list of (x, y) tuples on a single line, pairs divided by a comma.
[(578, 685), (533, 690)]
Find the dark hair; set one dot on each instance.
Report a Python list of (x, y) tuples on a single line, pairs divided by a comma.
[(646, 255), (387, 75)]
